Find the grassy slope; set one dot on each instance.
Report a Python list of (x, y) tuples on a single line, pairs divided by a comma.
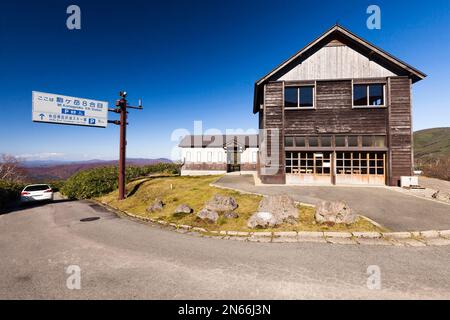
[(195, 191), (432, 143)]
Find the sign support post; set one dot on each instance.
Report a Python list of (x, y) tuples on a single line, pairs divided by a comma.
[(121, 107)]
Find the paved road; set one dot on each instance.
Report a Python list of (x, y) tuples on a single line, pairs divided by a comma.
[(392, 209), (120, 258)]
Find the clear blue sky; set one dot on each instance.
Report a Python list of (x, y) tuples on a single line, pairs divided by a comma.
[(188, 60)]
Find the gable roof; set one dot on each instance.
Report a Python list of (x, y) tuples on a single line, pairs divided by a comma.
[(338, 31)]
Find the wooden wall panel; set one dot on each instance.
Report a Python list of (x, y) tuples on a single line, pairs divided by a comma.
[(400, 129), (273, 119), (334, 113), (336, 62)]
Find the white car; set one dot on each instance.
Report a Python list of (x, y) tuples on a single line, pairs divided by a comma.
[(36, 192)]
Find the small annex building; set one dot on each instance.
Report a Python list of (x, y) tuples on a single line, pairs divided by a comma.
[(218, 154)]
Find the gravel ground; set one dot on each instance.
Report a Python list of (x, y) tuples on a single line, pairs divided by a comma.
[(435, 189)]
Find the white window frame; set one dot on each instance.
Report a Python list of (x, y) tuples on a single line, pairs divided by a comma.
[(298, 96), (368, 97)]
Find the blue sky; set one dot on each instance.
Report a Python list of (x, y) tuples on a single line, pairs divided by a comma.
[(188, 60)]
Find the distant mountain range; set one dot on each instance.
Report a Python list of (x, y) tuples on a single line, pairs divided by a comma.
[(431, 151), (50, 170)]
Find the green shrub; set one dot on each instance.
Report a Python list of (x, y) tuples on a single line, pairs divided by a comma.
[(9, 192), (99, 181), (56, 185)]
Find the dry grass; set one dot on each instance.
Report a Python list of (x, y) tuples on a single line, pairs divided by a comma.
[(435, 168), (195, 191)]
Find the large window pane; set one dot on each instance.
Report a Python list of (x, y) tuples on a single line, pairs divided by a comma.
[(289, 141), (353, 141), (325, 141), (313, 141), (300, 141), (380, 141), (367, 141), (291, 97), (360, 95), (306, 97), (340, 141), (376, 95)]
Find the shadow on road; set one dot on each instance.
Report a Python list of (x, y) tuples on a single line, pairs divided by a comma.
[(17, 207)]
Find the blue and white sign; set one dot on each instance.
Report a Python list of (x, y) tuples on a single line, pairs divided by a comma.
[(59, 109)]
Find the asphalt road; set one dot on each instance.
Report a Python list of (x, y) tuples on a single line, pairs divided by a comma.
[(123, 259), (392, 209)]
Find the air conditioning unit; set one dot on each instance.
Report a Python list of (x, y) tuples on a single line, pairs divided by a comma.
[(408, 182)]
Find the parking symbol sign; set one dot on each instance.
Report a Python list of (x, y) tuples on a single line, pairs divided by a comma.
[(91, 121)]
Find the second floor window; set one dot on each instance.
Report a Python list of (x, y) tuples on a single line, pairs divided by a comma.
[(368, 95), (299, 97)]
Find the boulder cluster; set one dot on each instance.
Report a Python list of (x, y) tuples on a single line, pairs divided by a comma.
[(216, 206), (272, 211), (158, 205)]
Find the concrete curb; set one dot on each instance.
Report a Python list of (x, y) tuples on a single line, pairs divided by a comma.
[(402, 239)]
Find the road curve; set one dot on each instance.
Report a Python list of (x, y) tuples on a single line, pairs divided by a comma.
[(124, 259)]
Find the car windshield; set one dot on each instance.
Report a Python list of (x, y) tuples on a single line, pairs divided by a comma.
[(40, 187)]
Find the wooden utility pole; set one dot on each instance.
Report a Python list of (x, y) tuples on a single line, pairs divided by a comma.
[(121, 107)]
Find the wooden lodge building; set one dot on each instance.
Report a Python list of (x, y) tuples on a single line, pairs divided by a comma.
[(341, 108)]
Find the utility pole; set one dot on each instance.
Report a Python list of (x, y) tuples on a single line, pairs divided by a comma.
[(121, 107)]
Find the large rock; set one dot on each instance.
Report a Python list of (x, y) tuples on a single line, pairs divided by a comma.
[(221, 203), (183, 209), (282, 207), (158, 205), (209, 216), (334, 212), (262, 220)]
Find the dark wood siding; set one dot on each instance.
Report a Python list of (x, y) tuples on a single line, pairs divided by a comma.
[(334, 113), (273, 119), (400, 131)]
